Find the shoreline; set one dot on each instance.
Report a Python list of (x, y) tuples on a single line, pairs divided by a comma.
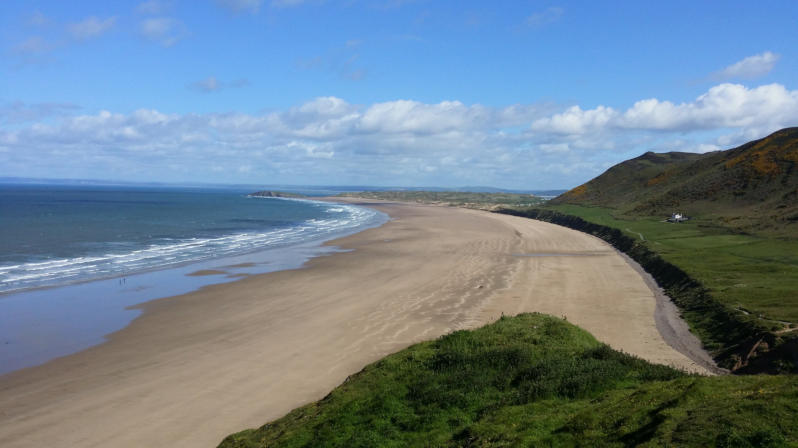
[(46, 322), (672, 327), (317, 241), (199, 366)]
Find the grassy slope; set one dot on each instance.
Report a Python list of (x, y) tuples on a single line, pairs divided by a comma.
[(756, 273), (535, 380), (752, 188)]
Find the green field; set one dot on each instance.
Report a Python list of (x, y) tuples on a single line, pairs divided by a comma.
[(758, 274), (534, 380)]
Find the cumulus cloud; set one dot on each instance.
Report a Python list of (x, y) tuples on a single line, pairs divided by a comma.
[(722, 106), (750, 67), (322, 138), (90, 27), (576, 121), (545, 17), (163, 30), (401, 142)]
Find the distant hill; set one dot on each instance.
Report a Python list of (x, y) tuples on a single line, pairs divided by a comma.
[(276, 194), (753, 187)]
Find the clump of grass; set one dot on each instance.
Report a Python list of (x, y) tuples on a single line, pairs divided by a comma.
[(533, 380)]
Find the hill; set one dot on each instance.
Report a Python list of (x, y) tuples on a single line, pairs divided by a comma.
[(733, 266), (534, 380), (751, 188), (276, 194)]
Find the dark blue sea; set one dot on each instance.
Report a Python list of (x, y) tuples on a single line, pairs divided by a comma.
[(54, 235), (76, 260)]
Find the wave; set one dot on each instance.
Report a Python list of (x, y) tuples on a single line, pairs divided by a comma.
[(168, 252)]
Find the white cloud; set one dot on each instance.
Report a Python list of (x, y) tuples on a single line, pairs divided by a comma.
[(412, 116), (554, 147), (705, 147), (90, 27), (324, 138), (164, 30), (243, 5), (401, 142), (750, 67), (328, 106), (576, 121), (549, 15), (722, 106)]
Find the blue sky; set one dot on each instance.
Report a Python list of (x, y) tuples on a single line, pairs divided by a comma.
[(514, 94)]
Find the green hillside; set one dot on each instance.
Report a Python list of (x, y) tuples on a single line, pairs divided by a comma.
[(752, 188), (534, 380), (737, 255)]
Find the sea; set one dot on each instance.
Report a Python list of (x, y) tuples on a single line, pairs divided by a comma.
[(75, 259)]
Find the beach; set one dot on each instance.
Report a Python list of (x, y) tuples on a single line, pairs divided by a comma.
[(197, 367)]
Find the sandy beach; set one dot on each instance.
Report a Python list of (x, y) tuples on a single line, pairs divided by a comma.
[(197, 367)]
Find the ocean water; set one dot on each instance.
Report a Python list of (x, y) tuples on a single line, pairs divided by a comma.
[(75, 261), (56, 235)]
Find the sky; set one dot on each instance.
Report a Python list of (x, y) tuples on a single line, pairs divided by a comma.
[(510, 94)]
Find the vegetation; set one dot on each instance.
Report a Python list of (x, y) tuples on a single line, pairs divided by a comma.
[(755, 273), (276, 194), (749, 189), (732, 268), (484, 201), (739, 340), (534, 380)]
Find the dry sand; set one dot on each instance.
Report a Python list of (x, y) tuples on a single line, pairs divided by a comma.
[(197, 367)]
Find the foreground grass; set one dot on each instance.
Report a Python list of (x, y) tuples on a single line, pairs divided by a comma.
[(535, 380), (758, 274)]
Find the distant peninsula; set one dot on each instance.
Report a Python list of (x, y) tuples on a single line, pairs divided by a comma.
[(275, 194)]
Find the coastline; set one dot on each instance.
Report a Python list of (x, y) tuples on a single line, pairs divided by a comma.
[(46, 322), (196, 367), (673, 329)]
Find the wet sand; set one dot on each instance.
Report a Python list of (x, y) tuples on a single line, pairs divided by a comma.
[(197, 367)]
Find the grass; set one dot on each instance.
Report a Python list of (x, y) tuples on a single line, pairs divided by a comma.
[(751, 272), (534, 380)]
